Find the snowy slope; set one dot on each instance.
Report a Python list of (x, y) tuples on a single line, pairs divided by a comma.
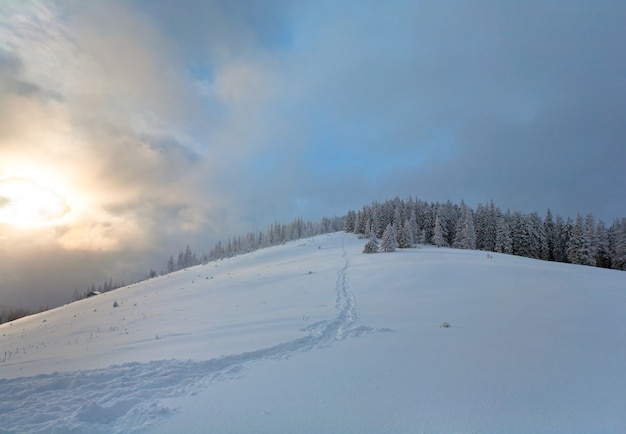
[(314, 336)]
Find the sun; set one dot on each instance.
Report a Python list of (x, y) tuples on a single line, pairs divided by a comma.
[(24, 202)]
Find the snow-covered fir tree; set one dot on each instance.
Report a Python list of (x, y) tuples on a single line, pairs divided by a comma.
[(465, 233), (603, 258), (591, 235), (563, 238), (350, 221), (578, 248), (372, 244), (617, 238), (409, 232), (504, 241), (413, 228), (528, 236), (439, 234), (485, 221), (550, 232), (389, 243)]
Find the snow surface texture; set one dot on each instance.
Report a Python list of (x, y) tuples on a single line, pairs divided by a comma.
[(314, 336)]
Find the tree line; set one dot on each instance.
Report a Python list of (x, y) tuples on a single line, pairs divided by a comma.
[(275, 234), (12, 313), (107, 286), (404, 223)]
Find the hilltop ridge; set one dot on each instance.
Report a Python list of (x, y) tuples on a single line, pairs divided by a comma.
[(316, 335)]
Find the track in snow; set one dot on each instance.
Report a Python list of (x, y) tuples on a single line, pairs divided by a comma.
[(125, 398)]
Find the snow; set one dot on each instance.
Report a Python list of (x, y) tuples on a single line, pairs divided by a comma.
[(315, 336)]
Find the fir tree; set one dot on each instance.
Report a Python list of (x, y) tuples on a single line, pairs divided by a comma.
[(357, 223), (350, 221), (602, 258), (413, 228), (389, 243), (372, 245), (504, 242), (439, 235), (578, 248), (618, 244), (564, 235), (590, 234), (408, 230), (485, 221), (549, 230), (465, 233)]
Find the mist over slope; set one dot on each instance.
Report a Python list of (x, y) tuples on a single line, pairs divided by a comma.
[(315, 336)]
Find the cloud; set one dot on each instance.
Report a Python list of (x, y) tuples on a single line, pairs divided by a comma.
[(196, 120)]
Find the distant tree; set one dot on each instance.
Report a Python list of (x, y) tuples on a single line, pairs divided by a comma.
[(349, 221), (377, 221), (409, 233), (528, 236), (170, 264), (402, 236), (538, 236), (465, 232), (563, 230), (504, 241), (364, 216), (602, 251), (423, 237), (592, 238), (521, 236), (448, 214), (357, 222), (187, 258), (439, 234), (578, 248), (77, 296), (368, 227), (398, 213), (372, 245), (426, 214), (413, 228), (617, 238), (108, 285), (551, 238), (389, 243), (485, 221), (387, 212)]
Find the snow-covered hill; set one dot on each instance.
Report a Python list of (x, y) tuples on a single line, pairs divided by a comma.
[(315, 336)]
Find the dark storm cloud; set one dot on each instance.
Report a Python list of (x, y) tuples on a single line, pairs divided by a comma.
[(519, 102)]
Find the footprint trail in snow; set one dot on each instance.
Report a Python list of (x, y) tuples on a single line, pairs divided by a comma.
[(126, 398)]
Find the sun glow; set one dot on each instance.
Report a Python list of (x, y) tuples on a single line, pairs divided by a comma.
[(24, 202)]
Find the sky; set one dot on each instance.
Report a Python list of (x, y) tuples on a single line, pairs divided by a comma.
[(129, 129)]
